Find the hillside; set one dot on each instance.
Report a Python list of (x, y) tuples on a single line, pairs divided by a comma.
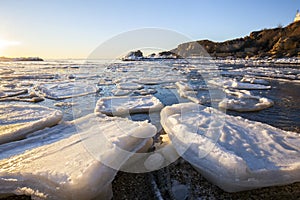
[(276, 43)]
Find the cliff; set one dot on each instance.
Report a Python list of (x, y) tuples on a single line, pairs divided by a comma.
[(276, 43)]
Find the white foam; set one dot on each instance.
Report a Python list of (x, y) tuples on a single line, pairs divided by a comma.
[(236, 154), (16, 121), (60, 164), (128, 104)]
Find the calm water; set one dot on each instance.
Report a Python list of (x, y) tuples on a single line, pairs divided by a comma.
[(285, 112)]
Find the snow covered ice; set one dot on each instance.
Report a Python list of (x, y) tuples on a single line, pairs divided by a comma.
[(254, 80), (243, 101), (129, 86), (59, 163), (66, 90), (128, 104), (18, 120), (6, 92), (237, 160), (233, 84), (234, 153)]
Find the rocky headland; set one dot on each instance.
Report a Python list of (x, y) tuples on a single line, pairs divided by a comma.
[(280, 42)]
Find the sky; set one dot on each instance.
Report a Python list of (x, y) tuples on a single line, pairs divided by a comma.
[(75, 28)]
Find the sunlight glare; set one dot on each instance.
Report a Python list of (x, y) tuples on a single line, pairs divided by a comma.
[(6, 43)]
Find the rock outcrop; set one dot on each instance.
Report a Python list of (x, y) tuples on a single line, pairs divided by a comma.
[(277, 43), (133, 55)]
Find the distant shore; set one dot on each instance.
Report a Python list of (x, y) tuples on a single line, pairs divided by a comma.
[(6, 59)]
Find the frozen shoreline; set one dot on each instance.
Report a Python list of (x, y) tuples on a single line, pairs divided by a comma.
[(156, 79)]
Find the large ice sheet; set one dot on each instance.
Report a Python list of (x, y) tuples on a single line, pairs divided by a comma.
[(128, 104), (18, 120), (236, 154), (66, 90), (60, 164)]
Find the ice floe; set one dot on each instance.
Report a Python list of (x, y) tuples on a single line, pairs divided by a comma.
[(254, 103), (66, 90), (65, 104), (234, 84), (60, 164), (6, 92), (188, 87), (167, 78), (150, 81), (245, 86), (243, 101), (128, 104), (190, 92), (234, 153), (28, 76), (4, 71), (129, 86), (31, 97), (254, 80), (145, 91), (286, 73), (16, 120), (120, 92)]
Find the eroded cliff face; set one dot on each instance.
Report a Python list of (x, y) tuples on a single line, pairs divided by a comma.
[(277, 43)]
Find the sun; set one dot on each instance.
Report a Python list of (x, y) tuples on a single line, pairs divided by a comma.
[(6, 43)]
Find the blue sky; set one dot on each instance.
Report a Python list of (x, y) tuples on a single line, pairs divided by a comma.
[(73, 29)]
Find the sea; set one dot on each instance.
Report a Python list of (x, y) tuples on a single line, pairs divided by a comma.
[(157, 77)]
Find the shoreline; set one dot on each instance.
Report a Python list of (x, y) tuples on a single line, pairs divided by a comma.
[(294, 61)]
